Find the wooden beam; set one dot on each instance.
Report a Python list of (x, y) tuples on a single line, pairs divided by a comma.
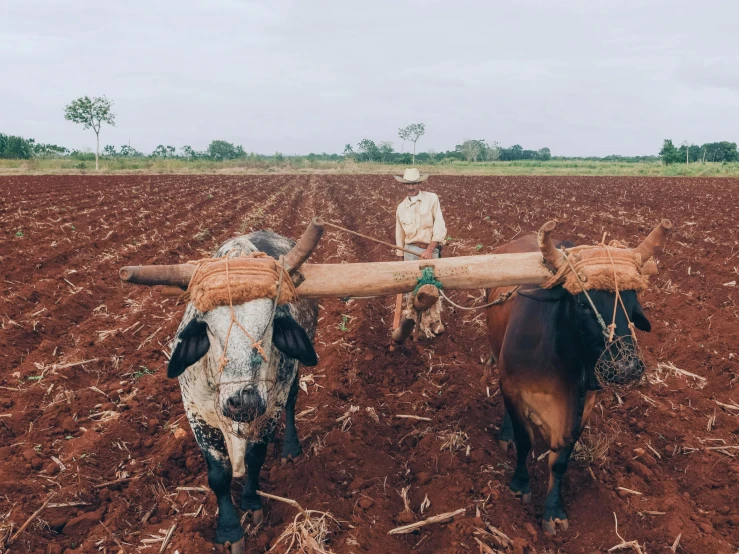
[(382, 278), (389, 278)]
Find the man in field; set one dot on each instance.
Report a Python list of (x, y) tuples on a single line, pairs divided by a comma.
[(419, 227)]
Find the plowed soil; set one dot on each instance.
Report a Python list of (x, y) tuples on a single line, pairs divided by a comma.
[(89, 420)]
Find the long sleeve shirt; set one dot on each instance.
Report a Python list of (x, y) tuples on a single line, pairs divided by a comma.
[(419, 219)]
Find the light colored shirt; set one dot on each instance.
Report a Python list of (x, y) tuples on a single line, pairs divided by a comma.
[(419, 219)]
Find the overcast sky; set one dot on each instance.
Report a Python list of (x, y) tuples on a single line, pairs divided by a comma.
[(583, 77)]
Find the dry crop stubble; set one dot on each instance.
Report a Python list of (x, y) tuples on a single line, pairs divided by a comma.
[(685, 469)]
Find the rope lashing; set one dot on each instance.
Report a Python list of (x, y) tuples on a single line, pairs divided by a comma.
[(502, 297), (427, 278), (221, 281), (617, 300), (582, 284)]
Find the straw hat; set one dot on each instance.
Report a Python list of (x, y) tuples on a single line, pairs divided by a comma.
[(411, 175)]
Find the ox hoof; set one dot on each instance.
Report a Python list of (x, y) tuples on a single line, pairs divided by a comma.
[(238, 547), (255, 517), (505, 445), (524, 497), (288, 458), (550, 526)]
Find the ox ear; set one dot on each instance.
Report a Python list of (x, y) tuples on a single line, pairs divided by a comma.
[(292, 340), (640, 319), (193, 345)]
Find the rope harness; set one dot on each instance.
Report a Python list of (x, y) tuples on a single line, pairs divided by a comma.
[(225, 281), (256, 275), (620, 364)]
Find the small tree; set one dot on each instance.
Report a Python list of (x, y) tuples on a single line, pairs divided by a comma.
[(471, 149), (189, 153), (220, 150), (368, 149), (492, 151), (162, 151), (16, 147), (128, 151), (669, 153), (386, 150), (413, 132), (91, 113), (544, 154)]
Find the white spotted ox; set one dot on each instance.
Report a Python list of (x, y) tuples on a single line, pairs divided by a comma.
[(222, 403)]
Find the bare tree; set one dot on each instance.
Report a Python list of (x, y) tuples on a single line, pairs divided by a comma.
[(91, 113), (413, 132)]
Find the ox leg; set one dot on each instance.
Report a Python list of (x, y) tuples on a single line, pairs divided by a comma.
[(228, 527), (523, 439), (255, 454), (291, 444), (505, 436), (554, 515)]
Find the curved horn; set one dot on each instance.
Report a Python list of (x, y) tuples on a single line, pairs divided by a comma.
[(178, 275), (305, 246), (655, 240), (551, 256)]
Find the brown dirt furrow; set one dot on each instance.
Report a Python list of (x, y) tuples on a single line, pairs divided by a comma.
[(118, 418)]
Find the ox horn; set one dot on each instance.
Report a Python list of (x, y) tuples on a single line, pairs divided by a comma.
[(655, 240), (552, 257), (179, 275), (305, 246), (175, 275)]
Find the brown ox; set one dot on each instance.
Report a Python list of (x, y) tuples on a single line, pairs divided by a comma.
[(546, 343)]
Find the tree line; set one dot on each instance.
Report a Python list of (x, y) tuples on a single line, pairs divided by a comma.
[(721, 152), (92, 113)]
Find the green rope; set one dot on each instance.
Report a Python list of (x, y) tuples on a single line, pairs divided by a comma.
[(427, 278)]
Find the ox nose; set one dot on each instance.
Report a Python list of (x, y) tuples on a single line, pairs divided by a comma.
[(629, 370), (245, 405)]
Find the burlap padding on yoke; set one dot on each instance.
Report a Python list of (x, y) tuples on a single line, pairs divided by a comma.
[(596, 269), (249, 278)]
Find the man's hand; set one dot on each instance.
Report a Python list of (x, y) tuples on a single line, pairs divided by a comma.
[(427, 254)]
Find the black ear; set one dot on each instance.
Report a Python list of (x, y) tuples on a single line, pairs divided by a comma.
[(292, 340), (193, 345), (640, 319)]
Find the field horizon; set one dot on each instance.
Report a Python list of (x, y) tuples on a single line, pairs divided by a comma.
[(304, 166)]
